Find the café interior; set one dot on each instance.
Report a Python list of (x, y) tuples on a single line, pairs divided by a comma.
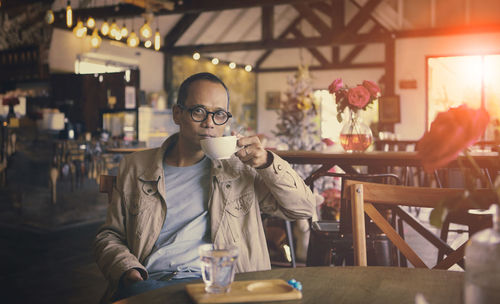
[(85, 82)]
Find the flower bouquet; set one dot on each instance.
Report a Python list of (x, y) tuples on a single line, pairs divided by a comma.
[(355, 98), (355, 136)]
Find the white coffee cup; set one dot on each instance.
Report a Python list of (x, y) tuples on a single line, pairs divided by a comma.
[(219, 147)]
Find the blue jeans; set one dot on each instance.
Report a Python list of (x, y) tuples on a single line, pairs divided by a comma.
[(143, 286)]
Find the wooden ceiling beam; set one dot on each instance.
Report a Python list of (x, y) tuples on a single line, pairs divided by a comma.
[(337, 20), (277, 44), (358, 48), (358, 20), (267, 23), (367, 65), (311, 17), (179, 29), (314, 52), (446, 31), (371, 17), (283, 34)]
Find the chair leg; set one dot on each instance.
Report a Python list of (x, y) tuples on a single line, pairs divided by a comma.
[(402, 259), (289, 235), (445, 229)]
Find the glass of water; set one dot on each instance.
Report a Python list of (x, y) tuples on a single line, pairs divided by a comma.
[(217, 267)]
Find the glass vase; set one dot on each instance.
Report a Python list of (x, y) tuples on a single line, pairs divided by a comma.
[(355, 136), (482, 265)]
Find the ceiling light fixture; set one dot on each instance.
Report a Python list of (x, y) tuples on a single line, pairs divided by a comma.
[(248, 68), (79, 30), (105, 28), (90, 22), (69, 15), (146, 30), (124, 30), (196, 56), (157, 40), (132, 39), (95, 40), (232, 65), (215, 61), (148, 43), (114, 29), (49, 17)]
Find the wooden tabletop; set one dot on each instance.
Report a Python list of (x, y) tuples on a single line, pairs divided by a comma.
[(344, 285), (377, 158)]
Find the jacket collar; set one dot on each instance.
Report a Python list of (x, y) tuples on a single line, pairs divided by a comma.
[(154, 171)]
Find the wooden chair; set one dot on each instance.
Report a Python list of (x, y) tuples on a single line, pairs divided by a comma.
[(364, 196), (106, 184)]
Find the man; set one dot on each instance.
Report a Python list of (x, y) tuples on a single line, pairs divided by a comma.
[(168, 201)]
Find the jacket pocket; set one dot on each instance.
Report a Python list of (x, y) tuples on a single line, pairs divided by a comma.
[(241, 205)]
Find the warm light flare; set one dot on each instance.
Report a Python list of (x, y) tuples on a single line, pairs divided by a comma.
[(148, 43), (248, 68), (90, 23), (146, 30), (133, 40), (196, 56), (215, 60), (95, 40)]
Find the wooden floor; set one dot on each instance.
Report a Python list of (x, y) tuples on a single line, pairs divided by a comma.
[(56, 267)]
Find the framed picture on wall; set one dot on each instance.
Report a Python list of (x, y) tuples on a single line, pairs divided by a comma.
[(273, 99), (389, 110)]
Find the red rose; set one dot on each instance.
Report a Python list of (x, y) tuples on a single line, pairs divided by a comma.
[(372, 87), (451, 132), (336, 85), (358, 96)]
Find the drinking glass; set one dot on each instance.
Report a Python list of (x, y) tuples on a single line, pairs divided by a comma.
[(217, 267)]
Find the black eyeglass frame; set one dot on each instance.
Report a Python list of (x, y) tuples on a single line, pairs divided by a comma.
[(190, 110)]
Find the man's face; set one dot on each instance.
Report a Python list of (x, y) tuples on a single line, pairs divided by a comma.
[(212, 96)]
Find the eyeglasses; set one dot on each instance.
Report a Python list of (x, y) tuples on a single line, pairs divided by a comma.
[(199, 114)]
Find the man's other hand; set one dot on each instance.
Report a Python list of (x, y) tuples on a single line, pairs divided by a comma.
[(131, 276)]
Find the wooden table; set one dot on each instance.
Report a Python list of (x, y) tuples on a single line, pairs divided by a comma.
[(344, 285)]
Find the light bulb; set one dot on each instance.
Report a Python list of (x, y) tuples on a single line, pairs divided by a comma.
[(113, 29), (95, 39), (147, 43), (105, 28), (215, 61), (90, 23), (124, 31), (133, 40), (196, 56), (118, 35), (49, 17), (79, 30), (157, 40), (248, 68), (146, 30), (69, 15), (232, 65)]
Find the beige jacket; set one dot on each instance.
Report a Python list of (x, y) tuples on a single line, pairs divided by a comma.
[(237, 197)]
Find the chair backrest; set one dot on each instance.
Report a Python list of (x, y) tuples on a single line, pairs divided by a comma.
[(106, 184), (364, 196)]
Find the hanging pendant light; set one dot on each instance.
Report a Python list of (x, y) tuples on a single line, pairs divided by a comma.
[(105, 28), (90, 22), (147, 43), (95, 40), (157, 40), (49, 17), (124, 30), (79, 30), (132, 39), (69, 15), (146, 30), (113, 29)]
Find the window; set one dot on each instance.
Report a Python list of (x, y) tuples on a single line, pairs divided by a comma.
[(455, 80)]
